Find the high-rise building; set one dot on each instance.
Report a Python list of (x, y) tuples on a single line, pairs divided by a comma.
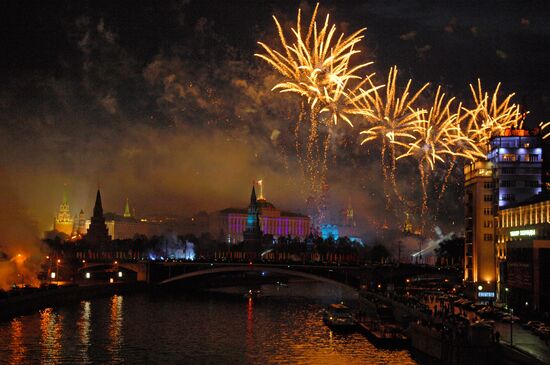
[(517, 166), (479, 249), (510, 174), (63, 222)]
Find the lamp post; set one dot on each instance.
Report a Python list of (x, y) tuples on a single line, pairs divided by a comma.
[(511, 327), (57, 270), (506, 297)]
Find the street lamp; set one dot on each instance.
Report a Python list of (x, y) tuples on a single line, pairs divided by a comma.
[(511, 327), (506, 291), (57, 270)]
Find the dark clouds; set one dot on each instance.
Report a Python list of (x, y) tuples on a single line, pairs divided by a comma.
[(164, 102)]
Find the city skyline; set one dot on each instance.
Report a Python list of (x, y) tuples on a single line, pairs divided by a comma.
[(275, 182), (118, 109)]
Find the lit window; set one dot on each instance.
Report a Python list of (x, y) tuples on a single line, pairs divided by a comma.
[(508, 157)]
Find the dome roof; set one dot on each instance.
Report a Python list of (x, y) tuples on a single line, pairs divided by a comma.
[(262, 203)]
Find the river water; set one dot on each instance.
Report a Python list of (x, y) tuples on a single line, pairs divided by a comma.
[(282, 327)]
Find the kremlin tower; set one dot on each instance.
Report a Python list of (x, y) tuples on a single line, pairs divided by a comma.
[(79, 225), (253, 233), (97, 232), (63, 222), (127, 213)]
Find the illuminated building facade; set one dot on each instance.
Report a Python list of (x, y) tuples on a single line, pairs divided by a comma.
[(479, 248), (517, 166), (230, 224), (523, 250), (63, 221), (511, 174)]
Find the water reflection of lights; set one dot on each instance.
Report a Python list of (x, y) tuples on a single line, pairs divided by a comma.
[(115, 329), (84, 330), (250, 330), (50, 336), (17, 346)]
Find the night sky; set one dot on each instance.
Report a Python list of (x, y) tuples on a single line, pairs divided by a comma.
[(164, 102)]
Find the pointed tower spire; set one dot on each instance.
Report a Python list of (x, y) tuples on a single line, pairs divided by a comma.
[(127, 213), (98, 232), (98, 208), (253, 198), (253, 233), (64, 195)]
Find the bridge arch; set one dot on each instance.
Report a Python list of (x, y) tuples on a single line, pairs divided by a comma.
[(140, 269), (255, 268)]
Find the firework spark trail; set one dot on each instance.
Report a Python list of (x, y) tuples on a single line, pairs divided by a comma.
[(437, 134), (489, 118), (315, 64), (542, 127), (448, 173), (393, 121)]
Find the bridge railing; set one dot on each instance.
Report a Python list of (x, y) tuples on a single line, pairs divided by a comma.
[(283, 257), (330, 258)]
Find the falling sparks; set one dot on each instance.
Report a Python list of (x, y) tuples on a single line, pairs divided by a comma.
[(393, 121), (489, 118), (542, 127), (436, 133), (316, 65)]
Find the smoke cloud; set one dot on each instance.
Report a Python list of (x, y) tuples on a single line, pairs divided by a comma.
[(169, 108), (19, 242)]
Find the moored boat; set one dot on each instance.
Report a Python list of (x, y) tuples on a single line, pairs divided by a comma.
[(252, 294), (339, 317), (382, 334)]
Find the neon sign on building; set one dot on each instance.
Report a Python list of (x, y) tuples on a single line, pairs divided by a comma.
[(523, 233)]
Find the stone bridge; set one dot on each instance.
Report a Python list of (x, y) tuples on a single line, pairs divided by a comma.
[(172, 272)]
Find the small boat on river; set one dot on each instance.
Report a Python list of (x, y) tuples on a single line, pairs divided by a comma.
[(381, 334), (252, 294), (339, 317)]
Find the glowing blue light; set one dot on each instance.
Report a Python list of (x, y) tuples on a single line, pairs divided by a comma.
[(329, 230)]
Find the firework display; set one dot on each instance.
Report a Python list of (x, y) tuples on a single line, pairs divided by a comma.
[(489, 118), (392, 118), (316, 65)]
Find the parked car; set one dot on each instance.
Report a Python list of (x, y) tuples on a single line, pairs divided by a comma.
[(534, 324)]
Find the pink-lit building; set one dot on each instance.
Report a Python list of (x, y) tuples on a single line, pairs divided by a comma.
[(229, 224)]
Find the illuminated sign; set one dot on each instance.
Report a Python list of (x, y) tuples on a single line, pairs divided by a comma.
[(486, 294), (523, 232)]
